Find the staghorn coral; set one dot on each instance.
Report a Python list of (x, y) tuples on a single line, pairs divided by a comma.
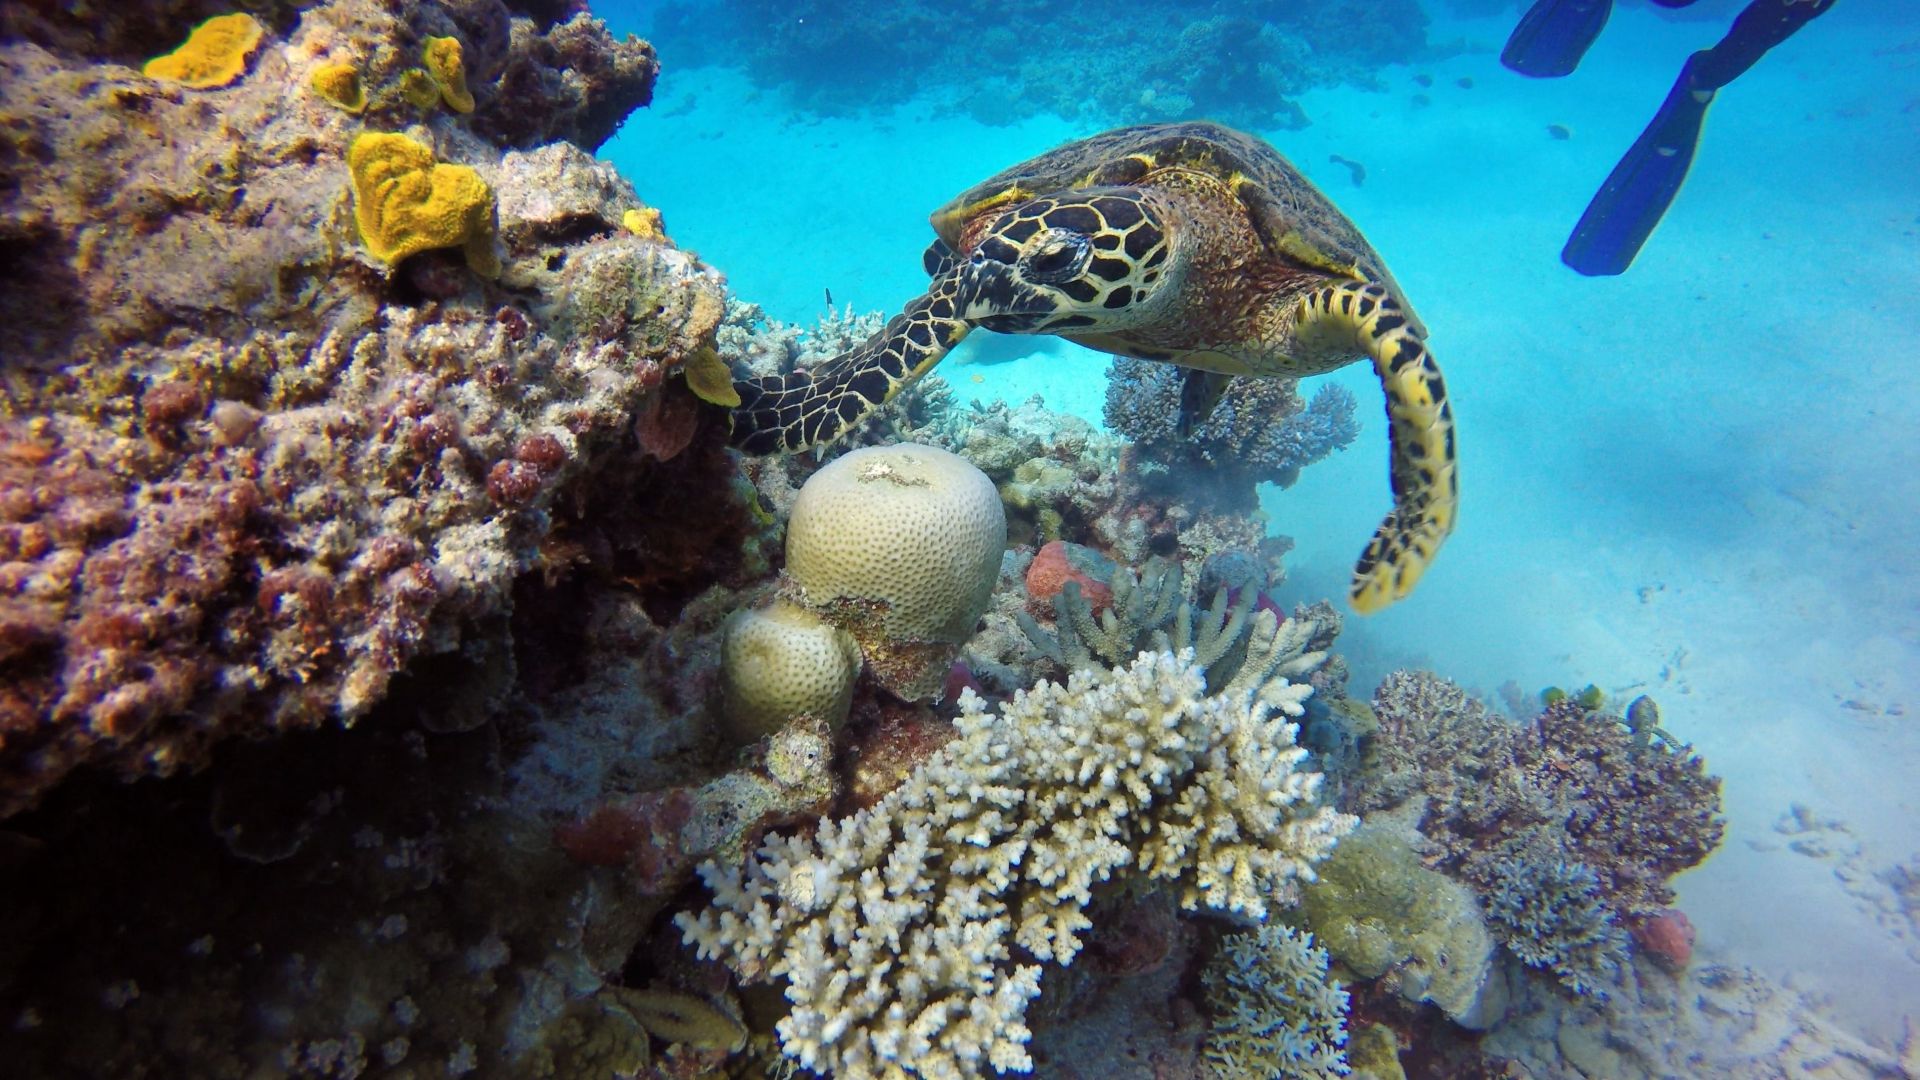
[(911, 934), (1276, 1011), (1549, 911), (1240, 649), (252, 476), (1632, 809), (215, 54), (900, 546)]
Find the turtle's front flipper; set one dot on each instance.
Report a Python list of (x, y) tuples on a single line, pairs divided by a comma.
[(787, 413), (1426, 488)]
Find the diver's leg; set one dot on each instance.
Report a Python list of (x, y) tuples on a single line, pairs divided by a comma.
[(1637, 193)]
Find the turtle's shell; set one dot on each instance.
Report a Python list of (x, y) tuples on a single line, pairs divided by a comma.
[(1299, 224)]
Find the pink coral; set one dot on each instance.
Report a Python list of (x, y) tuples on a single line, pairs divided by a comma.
[(1667, 936)]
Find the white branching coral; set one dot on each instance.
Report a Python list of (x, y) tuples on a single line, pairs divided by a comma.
[(912, 934), (1276, 1010)]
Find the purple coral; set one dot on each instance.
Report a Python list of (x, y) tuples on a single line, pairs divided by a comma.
[(1634, 813), (1259, 431)]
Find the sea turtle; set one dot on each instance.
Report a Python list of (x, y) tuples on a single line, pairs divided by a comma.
[(1189, 243)]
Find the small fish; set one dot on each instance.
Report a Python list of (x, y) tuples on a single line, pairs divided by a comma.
[(1358, 170), (1423, 79), (1464, 82), (829, 293), (1559, 131), (979, 378)]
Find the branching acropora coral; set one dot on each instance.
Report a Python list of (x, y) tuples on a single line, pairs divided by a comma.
[(911, 935), (406, 203), (339, 84), (213, 55), (447, 65), (1276, 1010)]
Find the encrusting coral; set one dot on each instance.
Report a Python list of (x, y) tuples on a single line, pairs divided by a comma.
[(1381, 913), (215, 54), (1276, 1011), (340, 85), (247, 480), (911, 935)]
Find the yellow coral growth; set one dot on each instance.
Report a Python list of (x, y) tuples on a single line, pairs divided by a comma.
[(644, 223), (215, 53), (449, 70), (417, 87), (406, 203), (340, 85)]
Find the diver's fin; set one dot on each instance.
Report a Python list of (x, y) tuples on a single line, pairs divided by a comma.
[(1199, 393), (1553, 35), (1639, 190), (1363, 316)]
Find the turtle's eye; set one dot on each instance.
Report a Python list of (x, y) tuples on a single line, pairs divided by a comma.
[(1057, 257)]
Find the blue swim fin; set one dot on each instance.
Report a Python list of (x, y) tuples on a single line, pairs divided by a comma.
[(1639, 190), (1553, 35)]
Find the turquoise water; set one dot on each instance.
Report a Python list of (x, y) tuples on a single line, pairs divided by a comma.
[(1696, 480)]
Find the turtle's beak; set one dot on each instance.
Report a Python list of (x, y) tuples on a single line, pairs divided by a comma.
[(992, 295)]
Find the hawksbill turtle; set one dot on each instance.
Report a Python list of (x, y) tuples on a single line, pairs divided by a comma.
[(1188, 243)]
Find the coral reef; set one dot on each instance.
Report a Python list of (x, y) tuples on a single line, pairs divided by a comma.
[(1632, 809), (251, 475), (780, 663), (1242, 64), (1380, 913), (1259, 431), (1548, 910), (900, 546), (1276, 1010), (896, 930)]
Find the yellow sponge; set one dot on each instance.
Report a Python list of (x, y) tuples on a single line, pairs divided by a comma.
[(215, 53), (339, 84), (406, 203), (449, 70)]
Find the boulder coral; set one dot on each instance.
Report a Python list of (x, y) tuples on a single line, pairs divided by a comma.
[(780, 663), (900, 545)]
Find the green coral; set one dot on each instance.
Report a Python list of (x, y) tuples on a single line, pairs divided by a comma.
[(1381, 913), (1276, 1010)]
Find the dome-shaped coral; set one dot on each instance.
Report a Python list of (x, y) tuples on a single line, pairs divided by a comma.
[(781, 662), (900, 545)]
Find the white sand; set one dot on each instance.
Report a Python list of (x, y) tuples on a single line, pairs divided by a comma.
[(1699, 480)]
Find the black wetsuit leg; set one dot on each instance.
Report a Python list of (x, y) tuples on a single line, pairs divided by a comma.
[(1637, 193)]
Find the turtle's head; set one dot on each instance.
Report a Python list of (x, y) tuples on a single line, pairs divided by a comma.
[(1089, 259)]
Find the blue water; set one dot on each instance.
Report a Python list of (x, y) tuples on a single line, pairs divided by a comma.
[(1698, 480)]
